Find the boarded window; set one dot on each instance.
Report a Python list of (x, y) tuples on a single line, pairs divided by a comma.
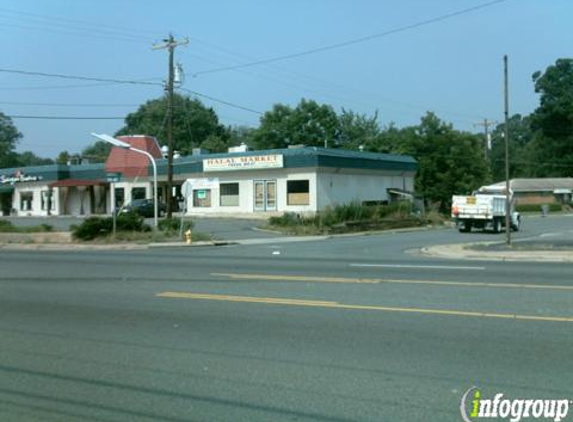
[(229, 194), (202, 198), (298, 192)]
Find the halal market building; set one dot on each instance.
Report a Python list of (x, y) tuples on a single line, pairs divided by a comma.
[(300, 180)]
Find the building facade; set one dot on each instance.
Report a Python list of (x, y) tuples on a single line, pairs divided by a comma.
[(302, 180)]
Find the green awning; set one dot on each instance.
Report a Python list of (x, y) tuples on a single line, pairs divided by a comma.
[(6, 189)]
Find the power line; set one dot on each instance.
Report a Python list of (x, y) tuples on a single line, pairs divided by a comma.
[(227, 103), (63, 117), (19, 103), (80, 78), (356, 40)]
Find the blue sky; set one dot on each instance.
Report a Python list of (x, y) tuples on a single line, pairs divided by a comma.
[(452, 67)]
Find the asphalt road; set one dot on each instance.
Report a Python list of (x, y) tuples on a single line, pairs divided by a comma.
[(345, 329)]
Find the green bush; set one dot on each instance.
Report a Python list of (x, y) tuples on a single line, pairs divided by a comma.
[(171, 225), (94, 227), (6, 226), (537, 207)]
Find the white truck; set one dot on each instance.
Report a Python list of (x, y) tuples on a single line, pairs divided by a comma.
[(483, 210)]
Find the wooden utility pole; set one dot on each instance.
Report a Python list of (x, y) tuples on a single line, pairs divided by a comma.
[(486, 124), (506, 115), (170, 44)]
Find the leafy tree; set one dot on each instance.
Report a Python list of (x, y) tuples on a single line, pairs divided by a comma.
[(357, 130), (553, 119), (97, 152), (192, 122), (309, 123), (9, 137), (450, 162), (520, 139), (241, 135), (215, 143), (64, 157), (28, 158)]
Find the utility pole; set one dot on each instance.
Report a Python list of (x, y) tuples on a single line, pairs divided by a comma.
[(170, 44), (506, 115), (486, 124)]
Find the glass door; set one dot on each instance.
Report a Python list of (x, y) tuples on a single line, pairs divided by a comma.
[(265, 192), (259, 195)]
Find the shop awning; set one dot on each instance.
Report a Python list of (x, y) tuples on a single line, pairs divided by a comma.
[(6, 189), (75, 183)]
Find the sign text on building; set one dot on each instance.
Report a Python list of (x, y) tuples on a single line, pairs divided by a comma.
[(243, 163)]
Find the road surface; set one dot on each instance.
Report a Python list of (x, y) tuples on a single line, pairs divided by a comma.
[(345, 329)]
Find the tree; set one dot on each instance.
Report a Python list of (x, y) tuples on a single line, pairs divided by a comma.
[(192, 122), (28, 158), (215, 143), (9, 137), (241, 135), (97, 152), (309, 123), (64, 157), (520, 138), (450, 162), (552, 121), (357, 130)]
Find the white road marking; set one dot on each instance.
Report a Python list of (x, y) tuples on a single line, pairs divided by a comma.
[(430, 267)]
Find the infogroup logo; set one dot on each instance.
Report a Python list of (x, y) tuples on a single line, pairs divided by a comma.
[(474, 407)]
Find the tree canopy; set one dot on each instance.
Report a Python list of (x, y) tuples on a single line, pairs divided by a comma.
[(9, 137), (193, 123)]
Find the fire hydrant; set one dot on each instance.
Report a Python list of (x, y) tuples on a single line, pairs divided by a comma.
[(188, 236)]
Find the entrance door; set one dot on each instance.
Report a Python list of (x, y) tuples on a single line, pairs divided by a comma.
[(265, 195)]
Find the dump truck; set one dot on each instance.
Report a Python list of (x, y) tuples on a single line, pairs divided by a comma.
[(483, 210)]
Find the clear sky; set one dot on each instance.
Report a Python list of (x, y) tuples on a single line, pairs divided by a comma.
[(452, 67)]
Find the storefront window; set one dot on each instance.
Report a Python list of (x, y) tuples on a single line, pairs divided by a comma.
[(298, 192), (119, 197), (26, 199), (137, 193), (229, 194), (47, 198), (202, 198)]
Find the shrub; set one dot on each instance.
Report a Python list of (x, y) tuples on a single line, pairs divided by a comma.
[(94, 227), (537, 207), (171, 225)]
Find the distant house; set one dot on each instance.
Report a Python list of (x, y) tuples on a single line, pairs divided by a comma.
[(538, 191)]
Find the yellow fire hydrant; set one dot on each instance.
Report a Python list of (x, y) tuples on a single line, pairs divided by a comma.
[(188, 236)]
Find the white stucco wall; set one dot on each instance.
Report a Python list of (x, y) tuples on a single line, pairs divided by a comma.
[(246, 181), (342, 187), (36, 206)]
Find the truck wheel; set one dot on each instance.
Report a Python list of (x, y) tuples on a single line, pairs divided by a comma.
[(465, 227), (497, 226)]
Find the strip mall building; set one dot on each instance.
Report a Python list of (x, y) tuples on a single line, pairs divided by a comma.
[(301, 180)]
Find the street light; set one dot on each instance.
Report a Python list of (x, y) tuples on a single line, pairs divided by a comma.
[(125, 145)]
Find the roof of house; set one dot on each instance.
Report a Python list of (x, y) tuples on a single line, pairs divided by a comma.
[(131, 163), (536, 185)]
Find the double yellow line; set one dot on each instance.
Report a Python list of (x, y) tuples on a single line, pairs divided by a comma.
[(337, 305), (310, 279)]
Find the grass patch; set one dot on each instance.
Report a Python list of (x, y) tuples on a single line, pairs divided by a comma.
[(352, 217), (7, 227)]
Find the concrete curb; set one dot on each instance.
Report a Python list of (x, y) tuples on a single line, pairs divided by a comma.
[(461, 251)]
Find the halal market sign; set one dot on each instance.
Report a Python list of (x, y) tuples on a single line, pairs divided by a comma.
[(243, 163)]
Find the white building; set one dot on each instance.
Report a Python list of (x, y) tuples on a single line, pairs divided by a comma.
[(302, 180)]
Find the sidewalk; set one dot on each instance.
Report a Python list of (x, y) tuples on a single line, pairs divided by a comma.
[(464, 251)]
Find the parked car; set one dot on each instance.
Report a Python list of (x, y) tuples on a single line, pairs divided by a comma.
[(144, 207)]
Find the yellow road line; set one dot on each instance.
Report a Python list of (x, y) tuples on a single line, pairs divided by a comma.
[(323, 304), (310, 279)]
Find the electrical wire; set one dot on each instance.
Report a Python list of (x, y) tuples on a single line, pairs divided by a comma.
[(354, 41), (80, 78), (63, 117)]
